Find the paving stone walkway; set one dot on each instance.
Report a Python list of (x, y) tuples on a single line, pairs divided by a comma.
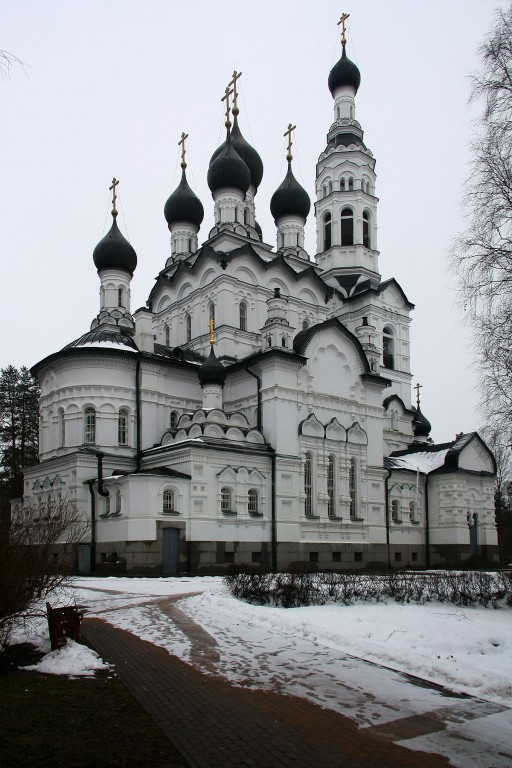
[(214, 724)]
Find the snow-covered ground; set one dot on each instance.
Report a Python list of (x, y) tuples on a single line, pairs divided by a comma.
[(469, 650), (380, 664)]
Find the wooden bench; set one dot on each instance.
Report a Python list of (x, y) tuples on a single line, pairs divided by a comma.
[(64, 623)]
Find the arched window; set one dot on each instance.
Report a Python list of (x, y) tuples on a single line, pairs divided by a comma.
[(118, 502), (327, 230), (243, 316), (120, 297), (331, 505), (305, 324), (308, 484), (412, 511), (173, 422), (168, 501), (211, 311), (366, 230), (394, 420), (122, 427), (167, 335), (347, 227), (351, 183), (352, 487), (246, 216), (102, 296), (252, 501), (329, 186), (342, 185), (283, 341), (225, 499), (188, 325), (388, 348), (107, 505), (62, 428), (395, 511), (337, 113), (89, 425)]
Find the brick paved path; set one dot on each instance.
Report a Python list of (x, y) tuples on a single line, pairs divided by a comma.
[(214, 724)]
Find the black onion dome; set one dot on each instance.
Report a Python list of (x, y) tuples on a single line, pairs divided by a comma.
[(248, 154), (212, 371), (290, 198), (227, 169), (183, 205), (344, 72), (421, 425), (115, 252)]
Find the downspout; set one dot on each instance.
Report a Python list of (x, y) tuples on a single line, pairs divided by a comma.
[(92, 555), (138, 415), (259, 424), (273, 543), (259, 410), (386, 492), (427, 526)]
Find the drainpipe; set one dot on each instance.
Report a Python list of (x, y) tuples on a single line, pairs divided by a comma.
[(427, 526), (388, 545), (273, 543), (92, 564), (259, 409), (138, 415)]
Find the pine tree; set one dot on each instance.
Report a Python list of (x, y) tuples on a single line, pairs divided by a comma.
[(19, 418)]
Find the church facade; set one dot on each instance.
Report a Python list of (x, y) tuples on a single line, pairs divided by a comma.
[(258, 408)]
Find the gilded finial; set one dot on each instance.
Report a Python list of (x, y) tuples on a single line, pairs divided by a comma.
[(288, 133), (115, 182), (212, 326), (181, 143), (344, 17), (227, 94), (236, 76), (417, 388)]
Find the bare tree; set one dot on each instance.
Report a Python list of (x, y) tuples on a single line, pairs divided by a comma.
[(482, 255), (36, 555), (8, 61), (501, 449)]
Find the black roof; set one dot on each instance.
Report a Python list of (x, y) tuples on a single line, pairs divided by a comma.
[(115, 252), (183, 205), (290, 198), (227, 169), (344, 72)]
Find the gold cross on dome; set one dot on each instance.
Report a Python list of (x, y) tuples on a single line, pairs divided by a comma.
[(417, 388), (227, 94), (288, 133), (344, 17), (115, 182), (183, 150), (211, 325), (236, 76)]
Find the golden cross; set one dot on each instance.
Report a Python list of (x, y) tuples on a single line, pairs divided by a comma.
[(227, 94), (115, 182), (236, 76), (212, 326), (417, 388), (344, 17), (288, 133), (183, 150)]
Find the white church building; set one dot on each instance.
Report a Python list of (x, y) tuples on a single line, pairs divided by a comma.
[(258, 409)]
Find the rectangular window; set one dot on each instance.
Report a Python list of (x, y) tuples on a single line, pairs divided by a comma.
[(331, 507), (308, 485), (313, 557), (336, 557), (414, 557), (229, 557), (358, 557), (256, 557), (398, 557)]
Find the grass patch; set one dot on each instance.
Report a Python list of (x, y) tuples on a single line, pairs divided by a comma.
[(50, 721)]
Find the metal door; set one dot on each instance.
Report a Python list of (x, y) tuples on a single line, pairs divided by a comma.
[(170, 551), (84, 558)]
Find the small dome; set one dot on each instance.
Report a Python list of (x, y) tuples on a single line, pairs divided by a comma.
[(248, 154), (212, 371), (183, 205), (421, 425), (290, 198), (344, 72), (115, 252), (227, 169)]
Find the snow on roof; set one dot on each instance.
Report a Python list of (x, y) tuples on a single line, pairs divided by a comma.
[(105, 345), (420, 461)]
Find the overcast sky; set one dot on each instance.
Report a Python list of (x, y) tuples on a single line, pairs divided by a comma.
[(110, 86)]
